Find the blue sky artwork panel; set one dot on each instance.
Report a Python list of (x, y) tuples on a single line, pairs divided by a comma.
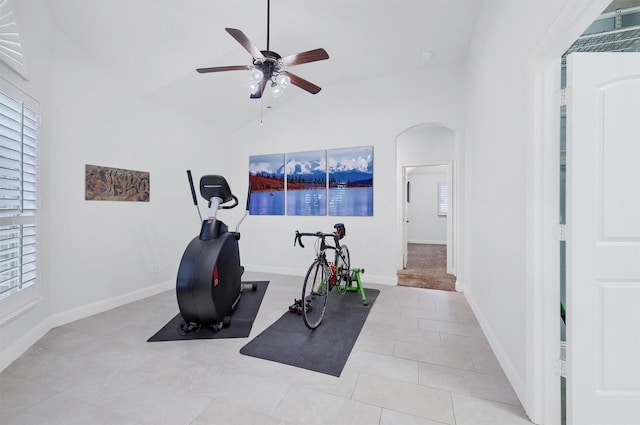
[(306, 183), (350, 173), (266, 179)]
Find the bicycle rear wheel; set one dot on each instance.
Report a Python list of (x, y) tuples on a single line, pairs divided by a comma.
[(343, 266), (314, 294)]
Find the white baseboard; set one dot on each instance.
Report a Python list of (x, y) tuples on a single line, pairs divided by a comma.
[(370, 278), (509, 369), (81, 312), (9, 354)]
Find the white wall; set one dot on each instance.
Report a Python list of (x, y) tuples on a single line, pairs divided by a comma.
[(427, 143), (95, 255), (371, 112), (497, 197), (425, 225)]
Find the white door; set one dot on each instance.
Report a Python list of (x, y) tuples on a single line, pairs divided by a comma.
[(603, 238)]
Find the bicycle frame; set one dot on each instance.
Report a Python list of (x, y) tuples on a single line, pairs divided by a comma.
[(316, 287), (330, 269)]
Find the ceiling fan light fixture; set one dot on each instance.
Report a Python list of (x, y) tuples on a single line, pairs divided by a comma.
[(252, 86), (276, 90), (256, 75), (283, 81), (268, 66)]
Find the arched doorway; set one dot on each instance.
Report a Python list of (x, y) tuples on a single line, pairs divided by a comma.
[(426, 167)]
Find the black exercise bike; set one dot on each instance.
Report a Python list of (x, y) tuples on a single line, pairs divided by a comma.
[(208, 285)]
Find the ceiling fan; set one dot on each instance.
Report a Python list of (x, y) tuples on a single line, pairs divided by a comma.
[(269, 67)]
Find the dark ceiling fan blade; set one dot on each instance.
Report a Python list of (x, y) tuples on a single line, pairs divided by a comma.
[(258, 94), (223, 68), (302, 83), (245, 42), (305, 57)]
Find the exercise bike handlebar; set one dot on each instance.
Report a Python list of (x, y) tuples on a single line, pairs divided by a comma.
[(248, 196), (193, 189), (193, 193), (228, 207)]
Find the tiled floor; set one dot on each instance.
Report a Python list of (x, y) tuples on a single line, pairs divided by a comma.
[(421, 359)]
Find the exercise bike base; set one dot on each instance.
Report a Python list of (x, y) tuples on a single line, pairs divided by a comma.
[(187, 327), (209, 279)]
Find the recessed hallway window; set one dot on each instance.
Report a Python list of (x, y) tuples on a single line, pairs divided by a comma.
[(443, 198)]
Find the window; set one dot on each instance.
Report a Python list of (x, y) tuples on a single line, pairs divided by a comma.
[(443, 198), (18, 190)]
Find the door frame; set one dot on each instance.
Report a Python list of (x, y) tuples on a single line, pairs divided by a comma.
[(451, 215), (543, 365)]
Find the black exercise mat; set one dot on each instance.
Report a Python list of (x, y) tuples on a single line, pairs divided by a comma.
[(241, 320), (324, 349)]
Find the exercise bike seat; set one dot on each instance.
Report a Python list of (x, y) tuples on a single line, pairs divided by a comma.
[(213, 186)]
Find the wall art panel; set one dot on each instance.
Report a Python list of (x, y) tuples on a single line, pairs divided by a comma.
[(116, 184), (307, 183), (350, 181), (266, 179)]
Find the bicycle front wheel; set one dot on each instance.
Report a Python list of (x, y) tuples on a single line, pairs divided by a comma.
[(314, 294)]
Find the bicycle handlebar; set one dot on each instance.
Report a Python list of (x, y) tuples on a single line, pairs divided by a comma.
[(298, 238)]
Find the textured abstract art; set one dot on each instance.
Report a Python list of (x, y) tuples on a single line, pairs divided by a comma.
[(116, 184)]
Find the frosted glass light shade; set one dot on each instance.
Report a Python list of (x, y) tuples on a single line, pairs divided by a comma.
[(256, 75)]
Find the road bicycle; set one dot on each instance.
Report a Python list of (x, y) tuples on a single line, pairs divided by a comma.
[(323, 275)]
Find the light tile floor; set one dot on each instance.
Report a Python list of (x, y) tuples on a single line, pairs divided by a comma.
[(421, 358)]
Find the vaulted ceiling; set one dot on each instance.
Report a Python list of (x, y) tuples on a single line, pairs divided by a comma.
[(154, 46)]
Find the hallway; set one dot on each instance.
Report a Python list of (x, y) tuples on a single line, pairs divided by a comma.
[(427, 268)]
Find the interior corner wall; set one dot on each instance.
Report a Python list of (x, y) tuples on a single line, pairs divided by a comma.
[(114, 248), (496, 216), (366, 113), (95, 255)]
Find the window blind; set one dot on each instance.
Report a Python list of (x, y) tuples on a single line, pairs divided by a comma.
[(443, 198), (18, 194)]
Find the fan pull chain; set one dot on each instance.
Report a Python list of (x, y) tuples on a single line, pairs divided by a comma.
[(261, 108)]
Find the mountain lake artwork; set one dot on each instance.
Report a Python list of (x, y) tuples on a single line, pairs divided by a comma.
[(350, 173), (335, 182), (306, 183), (266, 180)]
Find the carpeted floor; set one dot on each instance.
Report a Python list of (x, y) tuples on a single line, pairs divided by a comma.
[(427, 268)]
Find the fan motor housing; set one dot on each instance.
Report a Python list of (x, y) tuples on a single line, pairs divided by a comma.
[(269, 63)]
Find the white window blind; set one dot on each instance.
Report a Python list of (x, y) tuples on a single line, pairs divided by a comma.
[(18, 190), (443, 198)]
